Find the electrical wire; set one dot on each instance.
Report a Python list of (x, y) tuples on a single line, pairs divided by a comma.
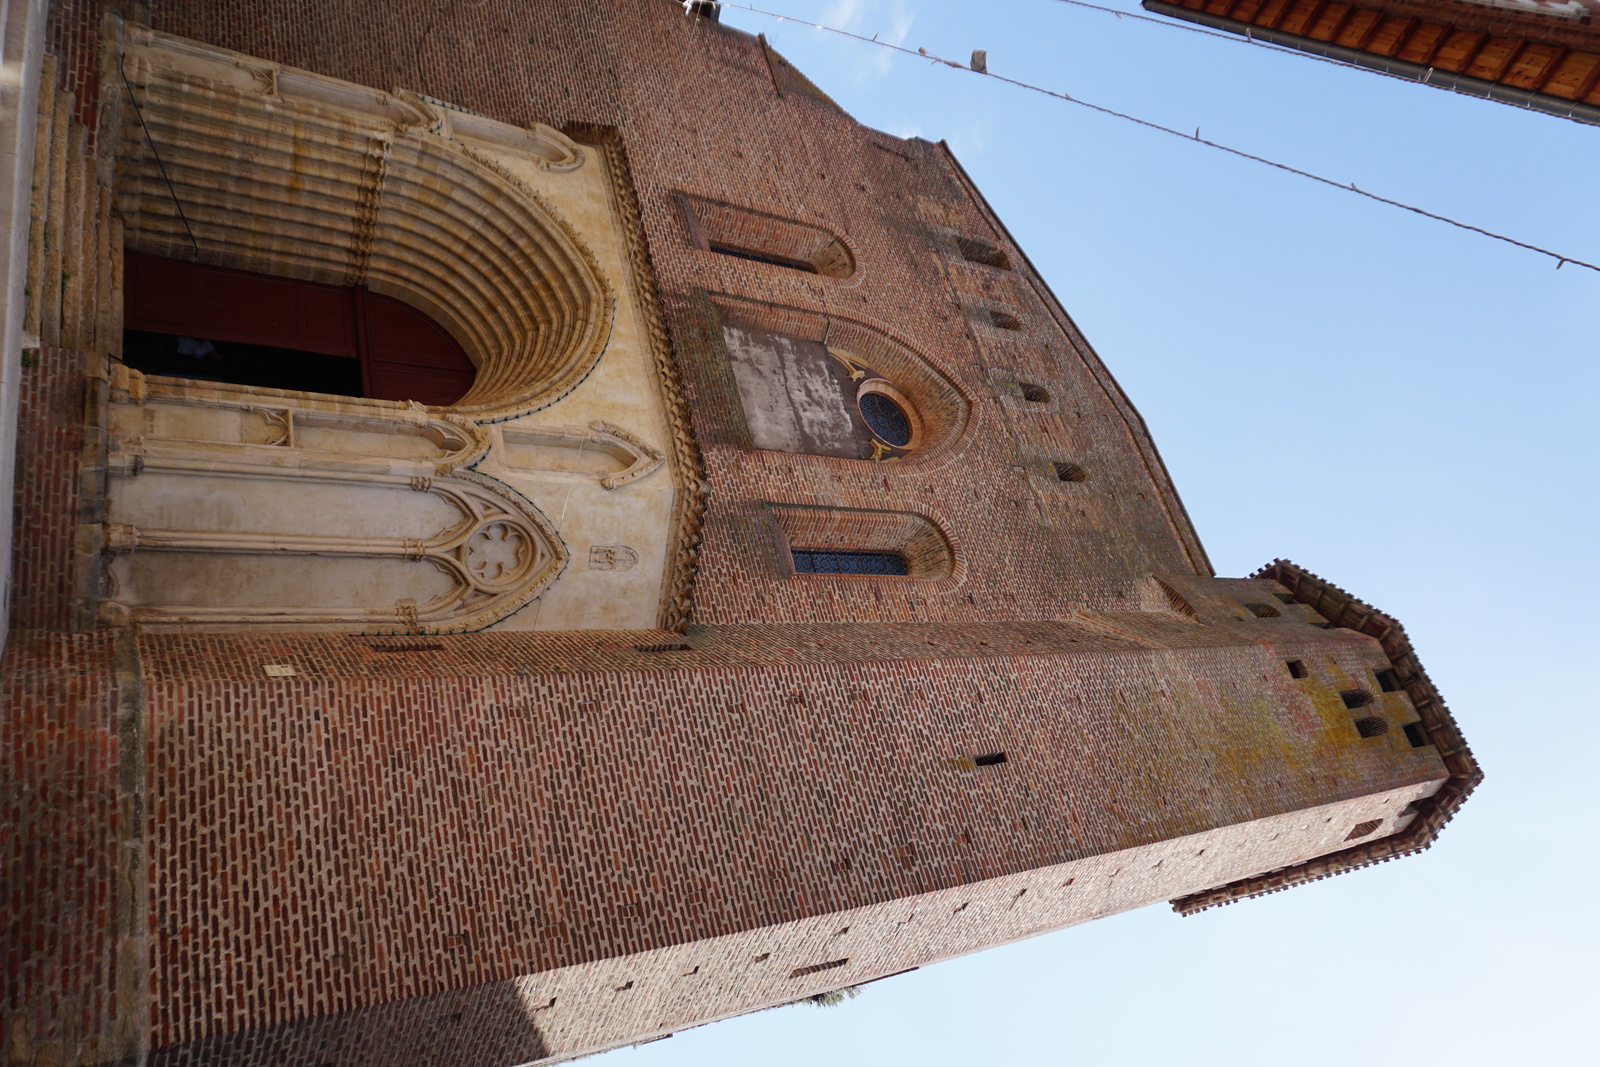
[(922, 53)]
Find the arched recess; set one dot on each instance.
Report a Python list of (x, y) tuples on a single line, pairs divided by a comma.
[(919, 541), (749, 234), (865, 353), (283, 172)]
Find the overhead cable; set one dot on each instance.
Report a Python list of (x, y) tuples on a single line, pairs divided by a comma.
[(923, 53)]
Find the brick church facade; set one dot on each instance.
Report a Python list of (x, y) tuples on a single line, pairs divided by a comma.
[(533, 529)]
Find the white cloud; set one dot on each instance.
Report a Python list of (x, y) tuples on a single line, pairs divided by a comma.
[(844, 14), (968, 141), (864, 16)]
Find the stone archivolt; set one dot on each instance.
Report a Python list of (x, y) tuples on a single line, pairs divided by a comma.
[(289, 173)]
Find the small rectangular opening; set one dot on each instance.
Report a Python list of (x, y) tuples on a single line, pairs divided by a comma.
[(1067, 471), (1388, 680), (762, 257), (801, 972), (662, 648), (975, 251), (1416, 734), (1297, 668), (1362, 829), (990, 759), (1355, 698), (1371, 726)]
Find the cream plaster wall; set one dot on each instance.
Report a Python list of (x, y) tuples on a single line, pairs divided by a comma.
[(621, 391)]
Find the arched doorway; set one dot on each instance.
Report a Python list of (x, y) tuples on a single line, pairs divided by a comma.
[(205, 323)]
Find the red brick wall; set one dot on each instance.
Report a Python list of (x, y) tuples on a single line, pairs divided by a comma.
[(59, 826), (392, 824), (44, 538)]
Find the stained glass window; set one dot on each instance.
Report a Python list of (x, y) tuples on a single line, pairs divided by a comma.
[(885, 419), (811, 561)]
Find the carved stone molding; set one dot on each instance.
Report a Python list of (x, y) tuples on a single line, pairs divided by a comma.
[(497, 551), (305, 176), (232, 423), (607, 453), (256, 482), (677, 600), (612, 558)]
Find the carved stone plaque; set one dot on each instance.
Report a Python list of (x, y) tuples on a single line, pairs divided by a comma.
[(612, 557)]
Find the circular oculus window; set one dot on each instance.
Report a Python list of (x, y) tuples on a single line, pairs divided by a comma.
[(888, 414)]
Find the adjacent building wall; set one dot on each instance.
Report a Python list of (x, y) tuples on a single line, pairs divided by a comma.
[(21, 59)]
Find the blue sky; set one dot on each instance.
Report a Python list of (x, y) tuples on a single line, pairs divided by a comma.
[(1402, 407)]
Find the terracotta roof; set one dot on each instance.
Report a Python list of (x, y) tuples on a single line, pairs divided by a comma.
[(1343, 610), (1539, 55)]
